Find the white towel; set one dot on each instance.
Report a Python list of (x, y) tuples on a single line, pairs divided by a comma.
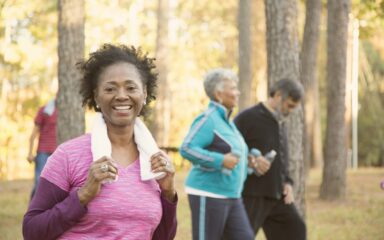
[(101, 146), (49, 108)]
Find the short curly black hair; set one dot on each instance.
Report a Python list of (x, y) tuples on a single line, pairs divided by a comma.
[(107, 55)]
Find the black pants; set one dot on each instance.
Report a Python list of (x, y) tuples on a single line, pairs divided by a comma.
[(219, 219), (279, 221)]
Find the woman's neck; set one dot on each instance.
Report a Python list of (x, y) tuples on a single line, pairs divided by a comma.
[(120, 136), (124, 148)]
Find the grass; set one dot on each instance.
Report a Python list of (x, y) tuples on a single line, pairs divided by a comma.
[(359, 217), (14, 197)]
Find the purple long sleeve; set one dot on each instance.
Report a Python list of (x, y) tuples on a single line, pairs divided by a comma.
[(168, 224), (51, 212)]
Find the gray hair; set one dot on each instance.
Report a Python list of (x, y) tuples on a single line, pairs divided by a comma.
[(215, 78), (288, 89)]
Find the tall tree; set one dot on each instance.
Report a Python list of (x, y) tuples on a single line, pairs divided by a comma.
[(259, 58), (245, 52), (312, 152), (71, 121), (333, 185), (283, 62), (163, 102)]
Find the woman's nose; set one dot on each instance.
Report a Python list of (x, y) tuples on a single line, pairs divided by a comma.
[(122, 94)]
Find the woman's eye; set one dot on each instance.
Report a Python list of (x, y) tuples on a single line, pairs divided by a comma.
[(109, 89)]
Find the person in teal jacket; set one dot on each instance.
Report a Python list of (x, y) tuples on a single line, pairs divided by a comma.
[(219, 157)]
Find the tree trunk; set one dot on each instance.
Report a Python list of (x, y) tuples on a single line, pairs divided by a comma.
[(283, 62), (134, 35), (245, 51), (259, 58), (317, 139), (333, 185), (162, 116), (70, 122), (309, 79)]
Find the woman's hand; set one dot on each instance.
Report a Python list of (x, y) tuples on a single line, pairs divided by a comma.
[(104, 169), (161, 162), (230, 160)]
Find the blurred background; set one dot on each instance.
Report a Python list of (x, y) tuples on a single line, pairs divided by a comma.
[(188, 38)]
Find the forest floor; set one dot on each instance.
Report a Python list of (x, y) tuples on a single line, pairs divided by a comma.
[(359, 217)]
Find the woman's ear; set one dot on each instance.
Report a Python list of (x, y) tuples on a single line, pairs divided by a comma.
[(145, 96), (97, 105), (145, 93), (218, 97), (95, 97)]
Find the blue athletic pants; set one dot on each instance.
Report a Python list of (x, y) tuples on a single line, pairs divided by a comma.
[(219, 219), (40, 160)]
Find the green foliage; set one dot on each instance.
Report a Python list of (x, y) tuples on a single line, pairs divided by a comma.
[(28, 40), (370, 13), (374, 58), (202, 35), (206, 37), (371, 95)]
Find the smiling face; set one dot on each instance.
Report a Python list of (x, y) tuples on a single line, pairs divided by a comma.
[(120, 94)]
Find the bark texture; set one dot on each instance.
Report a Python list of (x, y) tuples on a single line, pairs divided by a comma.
[(162, 115), (283, 62), (312, 152), (333, 185), (71, 122), (245, 50)]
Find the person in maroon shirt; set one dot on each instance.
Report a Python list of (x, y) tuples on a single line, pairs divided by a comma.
[(45, 130)]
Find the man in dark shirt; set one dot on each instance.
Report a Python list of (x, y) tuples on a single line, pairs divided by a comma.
[(267, 194)]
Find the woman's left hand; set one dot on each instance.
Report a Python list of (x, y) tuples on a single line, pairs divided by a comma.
[(161, 162)]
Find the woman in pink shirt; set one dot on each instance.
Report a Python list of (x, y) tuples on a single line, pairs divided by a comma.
[(72, 201)]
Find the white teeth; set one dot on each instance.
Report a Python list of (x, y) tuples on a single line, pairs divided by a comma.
[(123, 107)]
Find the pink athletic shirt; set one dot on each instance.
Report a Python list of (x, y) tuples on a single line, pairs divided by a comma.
[(126, 209)]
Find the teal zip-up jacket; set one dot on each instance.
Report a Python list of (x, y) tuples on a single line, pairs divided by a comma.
[(211, 136)]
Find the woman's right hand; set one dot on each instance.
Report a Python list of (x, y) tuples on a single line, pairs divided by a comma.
[(230, 160), (103, 169)]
